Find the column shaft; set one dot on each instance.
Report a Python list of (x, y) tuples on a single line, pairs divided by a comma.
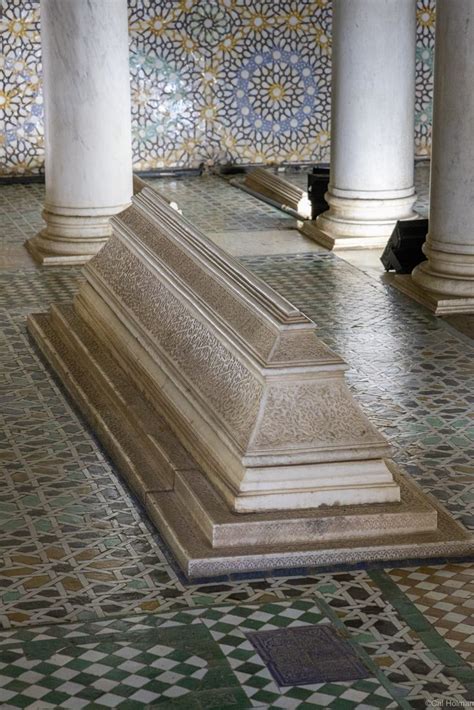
[(372, 134), (88, 160), (449, 270)]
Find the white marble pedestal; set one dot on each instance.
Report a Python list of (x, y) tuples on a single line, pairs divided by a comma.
[(88, 160), (372, 124), (445, 281)]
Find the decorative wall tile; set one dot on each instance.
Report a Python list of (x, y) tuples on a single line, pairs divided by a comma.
[(166, 83), (268, 98), (271, 87), (212, 81), (426, 17), (21, 102)]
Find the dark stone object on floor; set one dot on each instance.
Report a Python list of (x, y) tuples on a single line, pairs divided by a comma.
[(404, 248), (307, 654)]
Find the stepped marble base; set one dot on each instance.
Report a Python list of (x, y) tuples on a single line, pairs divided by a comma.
[(70, 238), (437, 303), (205, 536), (358, 223), (333, 242), (339, 536)]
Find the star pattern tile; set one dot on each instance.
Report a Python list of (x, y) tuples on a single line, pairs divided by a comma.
[(211, 82), (445, 596)]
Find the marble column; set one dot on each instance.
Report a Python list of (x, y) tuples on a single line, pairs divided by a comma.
[(88, 160), (445, 282), (372, 127)]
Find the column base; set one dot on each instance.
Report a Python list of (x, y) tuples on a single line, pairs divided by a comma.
[(71, 239), (438, 303), (358, 224), (49, 258)]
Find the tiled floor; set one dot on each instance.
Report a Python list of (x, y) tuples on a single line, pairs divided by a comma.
[(94, 614)]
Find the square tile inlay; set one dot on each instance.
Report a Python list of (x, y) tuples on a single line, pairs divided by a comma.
[(307, 654)]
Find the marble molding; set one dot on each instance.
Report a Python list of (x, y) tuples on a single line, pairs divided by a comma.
[(88, 144), (263, 182), (138, 183), (215, 398)]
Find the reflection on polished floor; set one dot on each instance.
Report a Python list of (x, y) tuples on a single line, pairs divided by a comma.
[(92, 607)]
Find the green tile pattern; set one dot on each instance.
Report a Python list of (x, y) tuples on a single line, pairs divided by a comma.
[(228, 626), (127, 664), (448, 656)]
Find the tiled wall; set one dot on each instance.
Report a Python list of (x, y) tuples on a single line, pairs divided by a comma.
[(213, 81)]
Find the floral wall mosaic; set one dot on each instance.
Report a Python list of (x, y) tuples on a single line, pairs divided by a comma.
[(213, 81)]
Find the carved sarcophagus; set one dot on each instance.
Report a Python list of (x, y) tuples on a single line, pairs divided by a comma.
[(215, 397), (239, 373)]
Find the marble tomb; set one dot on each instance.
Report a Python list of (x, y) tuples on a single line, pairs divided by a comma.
[(225, 413)]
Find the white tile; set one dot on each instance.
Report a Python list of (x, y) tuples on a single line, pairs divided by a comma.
[(197, 661), (163, 663), (292, 613), (27, 662), (74, 703), (355, 695), (105, 684), (111, 700), (169, 677), (6, 694), (59, 660), (144, 696), (261, 616), (35, 691), (320, 700), (98, 669), (284, 701), (65, 673), (70, 688), (92, 656), (160, 650), (131, 666)]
